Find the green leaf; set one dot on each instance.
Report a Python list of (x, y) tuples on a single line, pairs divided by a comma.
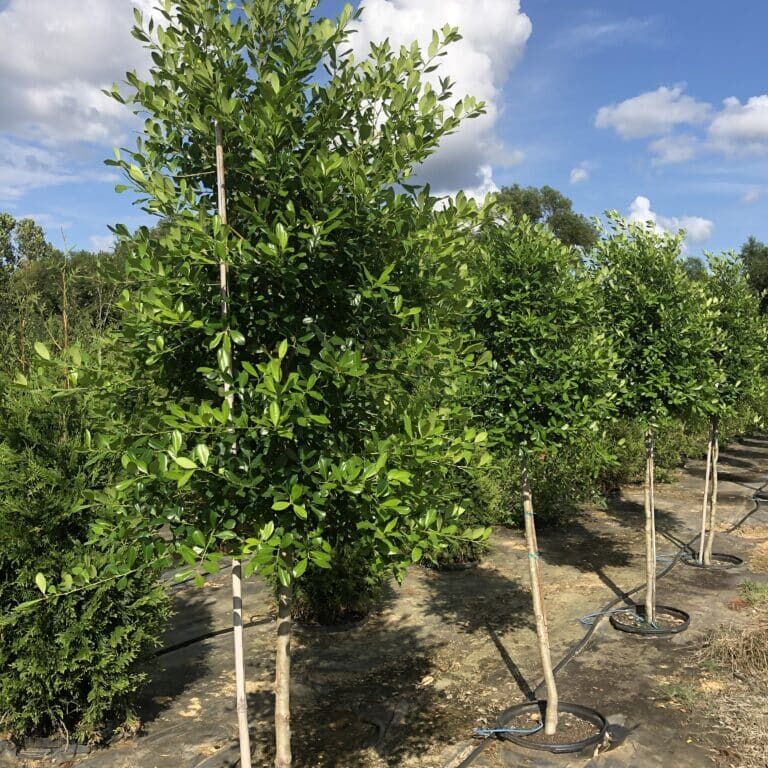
[(274, 413), (281, 235), (184, 462), (42, 350), (399, 476), (203, 454)]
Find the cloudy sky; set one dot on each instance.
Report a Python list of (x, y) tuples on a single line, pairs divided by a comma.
[(658, 110)]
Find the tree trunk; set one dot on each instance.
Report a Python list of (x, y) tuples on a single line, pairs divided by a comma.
[(705, 503), (650, 531), (550, 721), (237, 593), (240, 691), (713, 500), (283, 757)]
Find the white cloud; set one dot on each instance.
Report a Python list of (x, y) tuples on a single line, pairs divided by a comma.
[(602, 33), (652, 113), (485, 186), (495, 33), (741, 128), (752, 195), (697, 229), (102, 242), (579, 174), (55, 57), (669, 150), (24, 167)]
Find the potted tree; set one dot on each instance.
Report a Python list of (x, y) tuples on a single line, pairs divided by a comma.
[(553, 379), (738, 343), (290, 311), (663, 328)]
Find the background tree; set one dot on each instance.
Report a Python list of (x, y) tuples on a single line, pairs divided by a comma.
[(553, 374), (739, 343), (754, 256), (663, 332), (550, 207), (318, 413), (694, 268)]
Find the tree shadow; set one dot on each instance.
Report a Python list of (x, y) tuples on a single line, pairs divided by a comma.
[(632, 514), (180, 661), (738, 477), (734, 459), (479, 598), (757, 442), (753, 454), (381, 690), (589, 551), (357, 694)]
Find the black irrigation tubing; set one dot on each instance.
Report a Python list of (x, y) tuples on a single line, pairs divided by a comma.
[(757, 497), (207, 636)]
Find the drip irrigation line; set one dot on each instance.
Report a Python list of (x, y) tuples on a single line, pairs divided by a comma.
[(607, 609), (207, 636)]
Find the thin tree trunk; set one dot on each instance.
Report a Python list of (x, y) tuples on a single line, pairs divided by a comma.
[(713, 500), (237, 587), (550, 721), (650, 532), (705, 503), (283, 758)]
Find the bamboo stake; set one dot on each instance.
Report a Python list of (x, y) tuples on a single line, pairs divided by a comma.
[(542, 634), (652, 476), (650, 532), (283, 757), (237, 583), (705, 504), (713, 501), (65, 316)]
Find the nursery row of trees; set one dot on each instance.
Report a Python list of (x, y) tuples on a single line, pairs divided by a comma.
[(315, 370)]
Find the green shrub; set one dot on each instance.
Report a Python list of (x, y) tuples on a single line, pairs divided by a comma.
[(346, 592), (71, 663)]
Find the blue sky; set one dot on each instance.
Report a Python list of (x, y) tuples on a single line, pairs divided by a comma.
[(620, 105)]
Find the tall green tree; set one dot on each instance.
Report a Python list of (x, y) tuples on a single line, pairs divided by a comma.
[(738, 346), (754, 256), (304, 345), (553, 377), (662, 325), (548, 206)]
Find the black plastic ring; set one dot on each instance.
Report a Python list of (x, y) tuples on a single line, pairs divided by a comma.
[(585, 713), (645, 629), (725, 562)]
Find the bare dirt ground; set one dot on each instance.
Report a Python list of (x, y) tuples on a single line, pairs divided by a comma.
[(447, 652)]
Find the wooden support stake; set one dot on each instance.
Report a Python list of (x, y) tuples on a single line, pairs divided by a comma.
[(542, 633)]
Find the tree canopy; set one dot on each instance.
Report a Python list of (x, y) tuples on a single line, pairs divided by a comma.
[(661, 320), (754, 256), (541, 318), (344, 285)]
